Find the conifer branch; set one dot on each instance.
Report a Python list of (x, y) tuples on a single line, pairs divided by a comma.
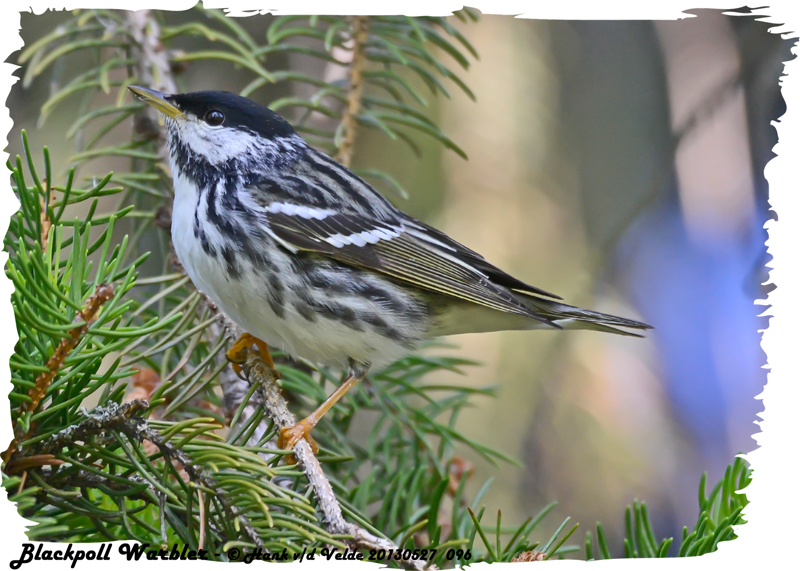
[(138, 429), (83, 320), (125, 418), (86, 479), (360, 34)]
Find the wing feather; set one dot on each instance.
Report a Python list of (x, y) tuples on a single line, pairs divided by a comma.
[(498, 276), (393, 249)]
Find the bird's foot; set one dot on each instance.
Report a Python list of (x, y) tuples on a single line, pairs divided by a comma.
[(236, 354), (291, 435)]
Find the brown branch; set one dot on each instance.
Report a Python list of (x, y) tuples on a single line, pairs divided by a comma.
[(201, 506), (269, 395), (87, 315), (28, 462), (95, 423), (360, 34)]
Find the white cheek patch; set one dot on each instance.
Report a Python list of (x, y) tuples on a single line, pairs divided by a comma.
[(306, 212), (221, 144)]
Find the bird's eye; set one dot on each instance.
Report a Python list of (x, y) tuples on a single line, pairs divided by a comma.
[(214, 118)]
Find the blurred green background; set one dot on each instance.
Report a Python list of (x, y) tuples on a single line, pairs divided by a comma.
[(620, 165)]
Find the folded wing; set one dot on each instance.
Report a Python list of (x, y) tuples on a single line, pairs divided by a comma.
[(401, 248)]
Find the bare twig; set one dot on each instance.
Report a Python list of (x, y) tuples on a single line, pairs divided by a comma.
[(360, 29), (269, 395), (22, 480)]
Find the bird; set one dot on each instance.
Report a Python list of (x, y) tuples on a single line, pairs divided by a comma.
[(307, 257)]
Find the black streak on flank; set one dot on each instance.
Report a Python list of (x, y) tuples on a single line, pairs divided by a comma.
[(200, 234), (276, 297), (332, 277), (223, 220), (231, 263), (385, 330), (326, 309), (343, 313), (305, 311)]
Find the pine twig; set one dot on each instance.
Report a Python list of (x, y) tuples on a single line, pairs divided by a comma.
[(138, 428), (124, 418), (85, 317), (356, 74)]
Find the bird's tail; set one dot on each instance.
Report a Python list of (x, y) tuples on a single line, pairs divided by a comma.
[(571, 317)]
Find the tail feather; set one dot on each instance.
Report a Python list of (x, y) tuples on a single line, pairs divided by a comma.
[(571, 317), (463, 317), (594, 326)]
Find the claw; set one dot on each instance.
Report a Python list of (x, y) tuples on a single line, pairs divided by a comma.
[(236, 354), (291, 435)]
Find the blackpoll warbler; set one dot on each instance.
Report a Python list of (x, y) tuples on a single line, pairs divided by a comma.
[(304, 255)]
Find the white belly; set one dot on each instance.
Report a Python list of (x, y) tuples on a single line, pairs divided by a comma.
[(245, 301)]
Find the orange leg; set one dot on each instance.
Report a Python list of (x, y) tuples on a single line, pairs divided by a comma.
[(291, 435), (236, 353)]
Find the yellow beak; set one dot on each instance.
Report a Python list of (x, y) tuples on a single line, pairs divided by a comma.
[(156, 99)]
